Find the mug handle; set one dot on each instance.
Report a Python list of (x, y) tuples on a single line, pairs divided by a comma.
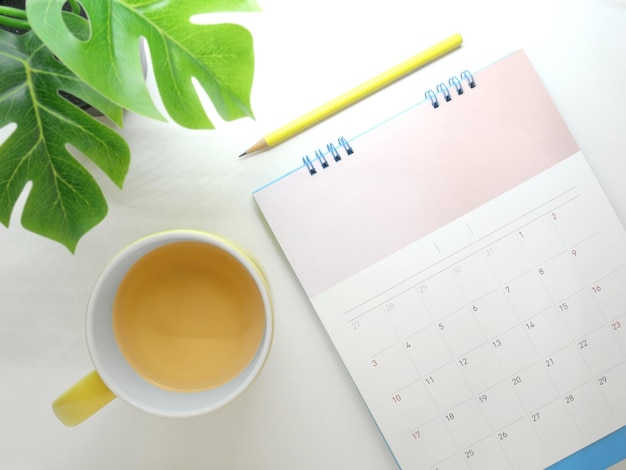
[(82, 400)]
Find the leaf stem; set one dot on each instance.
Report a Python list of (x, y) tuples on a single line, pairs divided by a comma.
[(75, 6), (11, 22), (13, 12)]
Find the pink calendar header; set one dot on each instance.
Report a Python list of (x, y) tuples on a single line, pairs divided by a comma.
[(415, 173)]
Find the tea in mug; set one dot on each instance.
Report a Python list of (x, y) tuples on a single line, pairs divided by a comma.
[(188, 316)]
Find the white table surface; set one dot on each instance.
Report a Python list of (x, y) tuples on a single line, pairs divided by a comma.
[(303, 412)]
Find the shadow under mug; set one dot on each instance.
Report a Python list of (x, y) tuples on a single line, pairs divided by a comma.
[(115, 377)]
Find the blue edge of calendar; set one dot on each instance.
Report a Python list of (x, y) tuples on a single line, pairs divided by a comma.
[(601, 454)]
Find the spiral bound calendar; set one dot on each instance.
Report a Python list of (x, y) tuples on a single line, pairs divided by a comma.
[(471, 274)]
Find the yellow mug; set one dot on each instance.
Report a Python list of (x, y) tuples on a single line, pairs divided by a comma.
[(178, 324)]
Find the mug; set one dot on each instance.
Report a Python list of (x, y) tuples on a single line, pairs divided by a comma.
[(178, 324)]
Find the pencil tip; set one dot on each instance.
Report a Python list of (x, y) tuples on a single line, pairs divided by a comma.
[(260, 145)]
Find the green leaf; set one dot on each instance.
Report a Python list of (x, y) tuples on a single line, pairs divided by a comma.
[(77, 24), (219, 56), (65, 200)]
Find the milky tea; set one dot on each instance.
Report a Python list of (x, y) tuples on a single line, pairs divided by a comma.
[(188, 316)]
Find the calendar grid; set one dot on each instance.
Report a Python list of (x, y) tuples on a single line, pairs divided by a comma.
[(448, 415), (545, 361), (581, 341), (538, 266)]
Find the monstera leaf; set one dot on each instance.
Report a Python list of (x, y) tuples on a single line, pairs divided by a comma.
[(219, 56), (64, 201), (90, 49)]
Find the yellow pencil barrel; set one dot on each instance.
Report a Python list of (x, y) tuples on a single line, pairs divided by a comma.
[(322, 112)]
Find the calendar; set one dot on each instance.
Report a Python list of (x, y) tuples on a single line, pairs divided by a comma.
[(471, 274)]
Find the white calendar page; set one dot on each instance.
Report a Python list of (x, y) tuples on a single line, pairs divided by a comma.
[(470, 272), (499, 340)]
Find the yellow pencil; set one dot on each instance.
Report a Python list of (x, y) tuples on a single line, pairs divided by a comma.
[(343, 101)]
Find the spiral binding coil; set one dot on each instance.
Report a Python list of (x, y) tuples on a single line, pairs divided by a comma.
[(332, 150), (453, 82)]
